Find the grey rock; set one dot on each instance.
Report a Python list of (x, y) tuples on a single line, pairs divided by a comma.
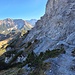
[(57, 24)]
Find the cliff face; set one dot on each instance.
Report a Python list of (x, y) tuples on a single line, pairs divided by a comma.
[(58, 21), (57, 27)]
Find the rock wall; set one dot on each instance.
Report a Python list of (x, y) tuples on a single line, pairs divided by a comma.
[(56, 27), (57, 23)]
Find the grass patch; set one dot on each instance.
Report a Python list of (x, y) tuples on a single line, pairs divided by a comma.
[(4, 42), (2, 51)]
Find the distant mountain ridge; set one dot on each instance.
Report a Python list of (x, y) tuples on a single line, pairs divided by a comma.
[(32, 21), (8, 25)]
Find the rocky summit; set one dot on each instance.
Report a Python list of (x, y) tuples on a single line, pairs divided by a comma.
[(49, 47)]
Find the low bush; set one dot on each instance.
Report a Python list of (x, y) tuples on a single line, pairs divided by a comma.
[(73, 53)]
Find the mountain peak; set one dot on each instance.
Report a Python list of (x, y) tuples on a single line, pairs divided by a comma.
[(32, 21), (8, 19), (9, 24)]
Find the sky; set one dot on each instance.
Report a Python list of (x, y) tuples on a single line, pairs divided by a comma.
[(22, 9)]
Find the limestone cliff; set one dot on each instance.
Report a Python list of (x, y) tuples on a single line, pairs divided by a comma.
[(56, 27), (58, 21)]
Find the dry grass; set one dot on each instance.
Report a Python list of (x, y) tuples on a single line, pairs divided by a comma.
[(3, 43), (2, 51)]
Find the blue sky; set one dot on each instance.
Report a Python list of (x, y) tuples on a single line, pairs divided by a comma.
[(22, 9)]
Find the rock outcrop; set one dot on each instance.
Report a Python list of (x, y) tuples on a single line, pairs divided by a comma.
[(58, 22), (55, 28)]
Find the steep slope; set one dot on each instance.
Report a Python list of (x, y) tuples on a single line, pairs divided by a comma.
[(49, 48), (58, 23), (56, 28)]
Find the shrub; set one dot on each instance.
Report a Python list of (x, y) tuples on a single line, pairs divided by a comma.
[(3, 65), (73, 52), (37, 61), (15, 57), (28, 44)]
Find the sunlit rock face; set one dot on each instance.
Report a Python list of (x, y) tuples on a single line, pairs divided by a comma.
[(58, 21), (56, 27)]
